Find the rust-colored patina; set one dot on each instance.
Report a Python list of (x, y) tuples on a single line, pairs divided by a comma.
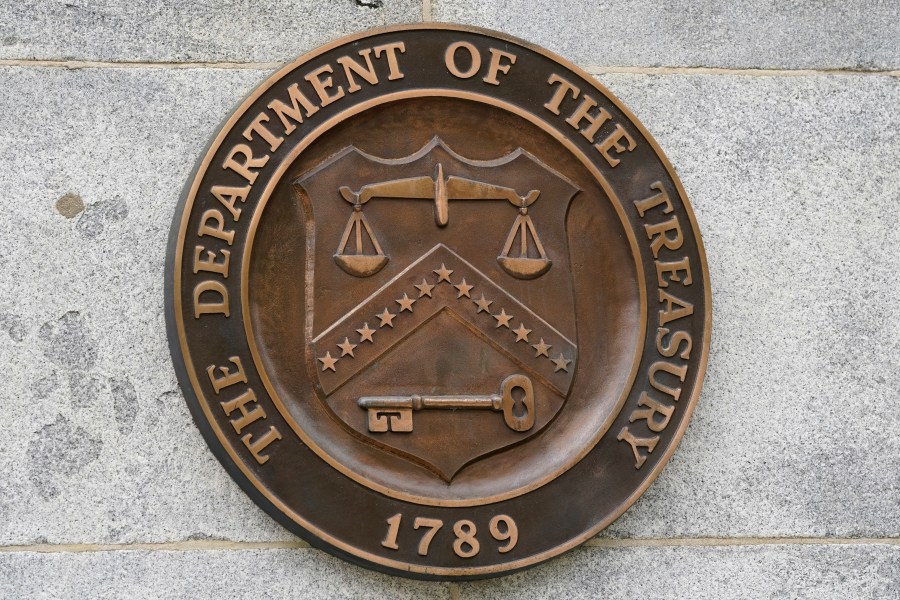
[(438, 302)]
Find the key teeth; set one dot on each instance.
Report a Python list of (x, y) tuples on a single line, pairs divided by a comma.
[(390, 420)]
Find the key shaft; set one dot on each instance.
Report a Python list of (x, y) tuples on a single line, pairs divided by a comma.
[(417, 402)]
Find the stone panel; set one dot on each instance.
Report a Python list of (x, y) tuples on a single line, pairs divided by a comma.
[(699, 573), (102, 447), (797, 432), (858, 34), (795, 185), (298, 574), (821, 572), (173, 31)]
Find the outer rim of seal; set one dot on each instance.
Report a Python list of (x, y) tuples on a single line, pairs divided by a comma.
[(247, 480)]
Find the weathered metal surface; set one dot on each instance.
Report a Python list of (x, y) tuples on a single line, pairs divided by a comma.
[(438, 302)]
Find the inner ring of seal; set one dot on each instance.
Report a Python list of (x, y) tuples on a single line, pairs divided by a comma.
[(260, 364)]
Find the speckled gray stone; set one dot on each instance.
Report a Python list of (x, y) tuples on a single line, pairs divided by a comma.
[(701, 573), (169, 30), (102, 447), (795, 185), (297, 574), (830, 34)]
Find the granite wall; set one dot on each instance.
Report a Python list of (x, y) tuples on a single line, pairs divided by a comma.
[(783, 122)]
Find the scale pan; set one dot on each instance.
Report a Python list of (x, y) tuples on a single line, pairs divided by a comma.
[(525, 268), (361, 265)]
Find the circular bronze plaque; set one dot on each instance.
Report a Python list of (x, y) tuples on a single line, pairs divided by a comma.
[(438, 302)]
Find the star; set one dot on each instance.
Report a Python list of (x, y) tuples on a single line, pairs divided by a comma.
[(405, 303), (561, 363), (483, 304), (503, 318), (521, 333), (424, 289), (346, 347), (443, 273), (541, 349), (386, 318), (365, 334), (328, 362), (463, 288)]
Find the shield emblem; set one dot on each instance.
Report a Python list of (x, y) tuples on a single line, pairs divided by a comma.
[(440, 299)]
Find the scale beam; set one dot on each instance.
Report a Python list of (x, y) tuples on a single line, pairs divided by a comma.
[(440, 190)]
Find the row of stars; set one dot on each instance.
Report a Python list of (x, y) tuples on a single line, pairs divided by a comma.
[(425, 289), (366, 333), (503, 320)]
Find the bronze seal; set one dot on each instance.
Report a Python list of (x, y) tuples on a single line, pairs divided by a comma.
[(438, 302)]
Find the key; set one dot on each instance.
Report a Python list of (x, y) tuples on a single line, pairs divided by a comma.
[(395, 413)]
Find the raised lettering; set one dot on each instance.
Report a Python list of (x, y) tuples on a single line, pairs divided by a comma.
[(635, 442), (670, 347), (653, 408), (228, 378), (474, 60), (612, 142), (323, 85), (653, 201), (219, 230), (595, 121), (657, 232), (680, 372), (261, 444), (217, 306), (257, 127), (209, 263), (228, 196), (559, 94), (247, 416), (673, 268), (496, 66), (367, 72), (298, 100), (243, 168), (390, 51), (675, 308)]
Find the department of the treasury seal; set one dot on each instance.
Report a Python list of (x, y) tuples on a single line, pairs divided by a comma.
[(438, 302)]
